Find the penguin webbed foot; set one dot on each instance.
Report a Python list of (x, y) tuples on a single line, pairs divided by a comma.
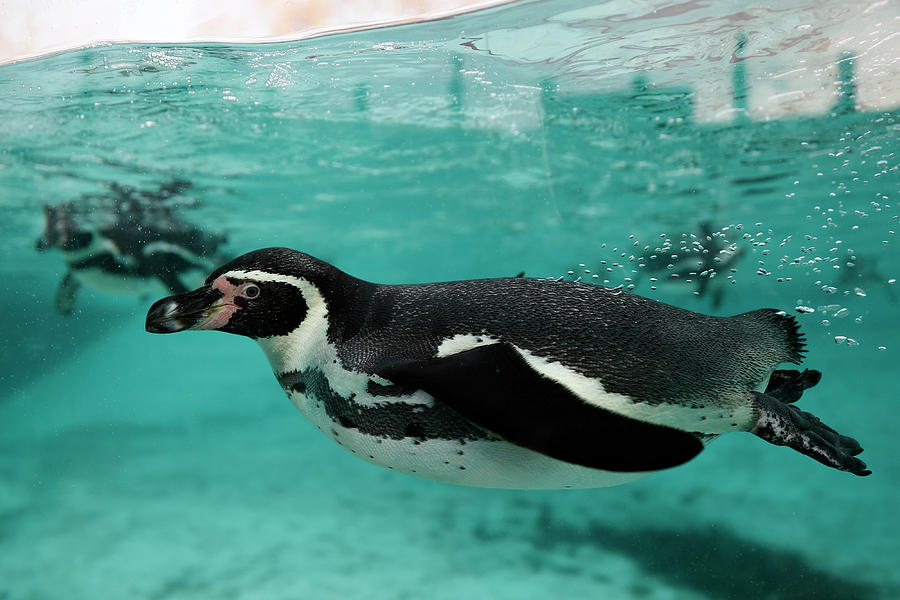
[(64, 301), (788, 385), (783, 424)]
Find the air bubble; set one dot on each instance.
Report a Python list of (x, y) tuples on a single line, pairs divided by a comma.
[(804, 309)]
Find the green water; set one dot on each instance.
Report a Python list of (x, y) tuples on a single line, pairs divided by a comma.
[(555, 138)]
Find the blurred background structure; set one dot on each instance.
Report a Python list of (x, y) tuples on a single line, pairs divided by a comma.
[(33, 28), (868, 30)]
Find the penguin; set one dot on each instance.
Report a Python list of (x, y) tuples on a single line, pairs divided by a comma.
[(699, 262), (513, 382), (142, 247), (858, 273)]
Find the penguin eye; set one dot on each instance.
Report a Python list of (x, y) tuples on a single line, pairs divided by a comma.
[(251, 290)]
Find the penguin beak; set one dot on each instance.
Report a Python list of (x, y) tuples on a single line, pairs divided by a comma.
[(203, 308)]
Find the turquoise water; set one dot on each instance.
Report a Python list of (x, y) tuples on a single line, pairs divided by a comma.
[(555, 138)]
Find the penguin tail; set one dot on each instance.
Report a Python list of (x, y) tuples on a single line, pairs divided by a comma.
[(780, 331)]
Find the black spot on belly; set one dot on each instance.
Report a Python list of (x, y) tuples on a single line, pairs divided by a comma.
[(390, 390), (393, 418), (414, 430)]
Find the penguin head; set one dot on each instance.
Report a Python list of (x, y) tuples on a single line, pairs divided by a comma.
[(261, 294), (61, 230)]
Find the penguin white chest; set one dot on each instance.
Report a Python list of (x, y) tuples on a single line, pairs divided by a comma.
[(416, 436)]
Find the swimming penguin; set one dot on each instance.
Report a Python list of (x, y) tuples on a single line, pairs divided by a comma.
[(699, 262), (141, 247), (858, 273), (513, 382)]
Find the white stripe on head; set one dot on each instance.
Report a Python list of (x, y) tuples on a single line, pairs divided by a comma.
[(257, 275), (307, 345)]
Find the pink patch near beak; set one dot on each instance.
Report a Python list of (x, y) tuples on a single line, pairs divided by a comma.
[(223, 308)]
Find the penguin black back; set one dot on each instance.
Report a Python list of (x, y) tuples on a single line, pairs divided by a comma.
[(645, 349)]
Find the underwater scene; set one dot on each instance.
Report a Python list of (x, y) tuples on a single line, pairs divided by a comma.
[(717, 157)]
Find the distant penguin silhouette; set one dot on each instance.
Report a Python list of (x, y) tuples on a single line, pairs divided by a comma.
[(140, 247), (701, 263), (862, 272)]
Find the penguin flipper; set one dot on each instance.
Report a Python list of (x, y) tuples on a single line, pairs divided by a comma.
[(783, 424), (64, 301), (493, 387)]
